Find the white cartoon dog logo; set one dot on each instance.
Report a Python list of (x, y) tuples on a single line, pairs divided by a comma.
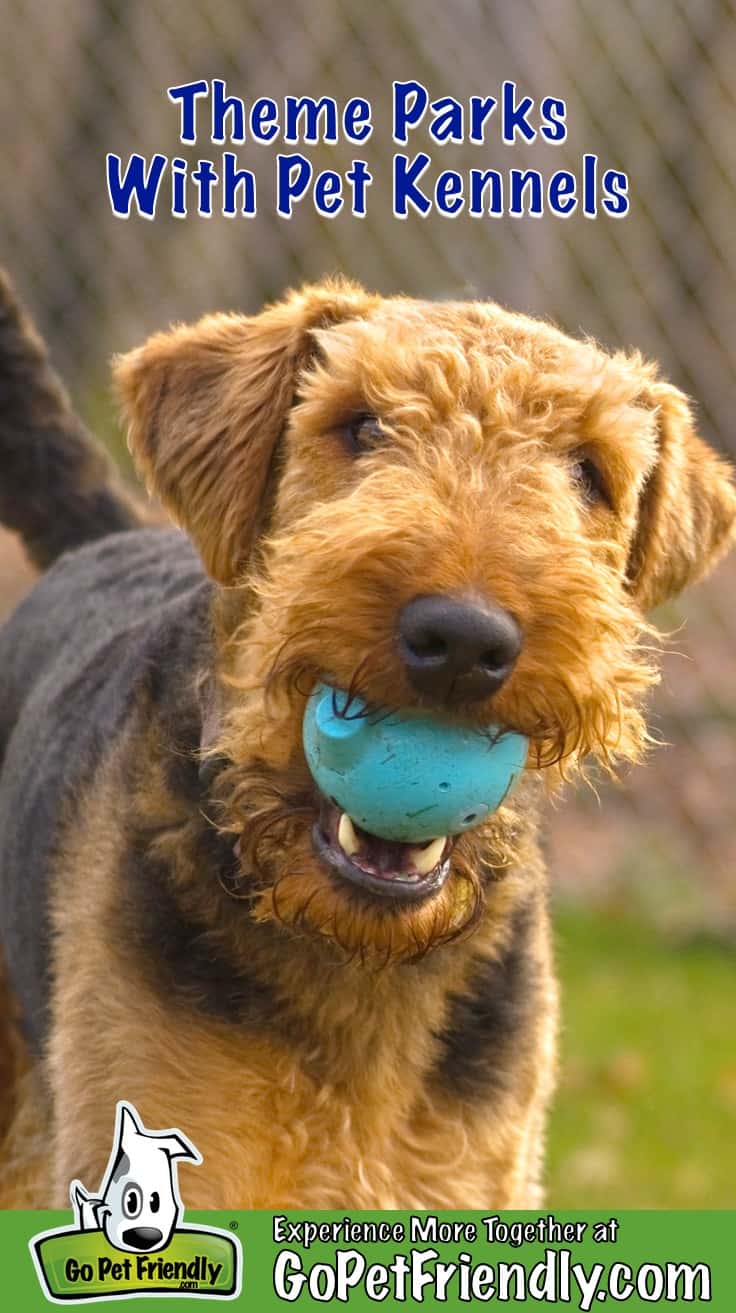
[(138, 1205)]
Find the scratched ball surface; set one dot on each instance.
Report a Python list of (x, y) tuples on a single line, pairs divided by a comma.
[(405, 777)]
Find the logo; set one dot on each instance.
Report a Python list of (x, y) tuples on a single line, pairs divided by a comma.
[(128, 1239)]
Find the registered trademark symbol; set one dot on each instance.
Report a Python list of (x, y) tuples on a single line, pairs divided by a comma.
[(234, 1225)]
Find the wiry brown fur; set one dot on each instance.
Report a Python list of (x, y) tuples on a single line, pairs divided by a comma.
[(338, 1106), (482, 410), (350, 1086)]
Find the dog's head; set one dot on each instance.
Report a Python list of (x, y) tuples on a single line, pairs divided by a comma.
[(447, 507), (139, 1204)]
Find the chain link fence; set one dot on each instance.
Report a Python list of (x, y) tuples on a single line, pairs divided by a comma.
[(649, 89)]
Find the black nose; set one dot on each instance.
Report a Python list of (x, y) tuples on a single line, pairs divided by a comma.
[(142, 1237), (456, 649)]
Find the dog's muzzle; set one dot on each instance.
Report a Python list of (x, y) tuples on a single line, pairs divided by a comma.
[(385, 867)]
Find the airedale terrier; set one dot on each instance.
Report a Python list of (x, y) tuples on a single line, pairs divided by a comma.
[(184, 920)]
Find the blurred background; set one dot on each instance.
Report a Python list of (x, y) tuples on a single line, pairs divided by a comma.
[(644, 878)]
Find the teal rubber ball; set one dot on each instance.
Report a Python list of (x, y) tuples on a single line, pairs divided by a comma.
[(404, 777)]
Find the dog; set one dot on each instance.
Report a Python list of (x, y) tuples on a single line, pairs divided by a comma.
[(138, 1205), (182, 926)]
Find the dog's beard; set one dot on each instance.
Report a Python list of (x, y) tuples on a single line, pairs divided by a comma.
[(569, 726), (270, 804), (283, 881)]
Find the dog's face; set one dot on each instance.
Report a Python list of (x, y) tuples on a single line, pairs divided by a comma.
[(140, 1204), (440, 506)]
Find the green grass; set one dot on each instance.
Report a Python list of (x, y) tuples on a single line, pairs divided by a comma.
[(645, 1113)]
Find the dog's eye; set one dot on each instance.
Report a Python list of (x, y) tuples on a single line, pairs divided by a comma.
[(361, 433), (154, 1202), (132, 1200), (590, 481)]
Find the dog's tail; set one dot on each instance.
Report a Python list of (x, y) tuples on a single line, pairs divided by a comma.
[(57, 488)]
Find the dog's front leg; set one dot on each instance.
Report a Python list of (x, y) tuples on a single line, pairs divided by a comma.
[(240, 1098)]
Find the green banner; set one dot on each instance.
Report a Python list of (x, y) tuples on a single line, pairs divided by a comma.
[(77, 1265), (582, 1260)]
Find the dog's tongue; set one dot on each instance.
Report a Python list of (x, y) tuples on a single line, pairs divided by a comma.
[(384, 858)]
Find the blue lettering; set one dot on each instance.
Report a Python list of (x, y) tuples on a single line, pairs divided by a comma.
[(293, 176), (137, 184), (360, 178), (481, 109), (189, 93), (521, 180), (449, 193), (179, 188), (479, 181), (590, 180), (553, 113), (514, 116), (222, 106), (312, 111), (406, 191), (357, 119), (447, 123), (562, 192), (328, 193), (264, 119), (410, 105), (615, 187), (204, 176), (234, 179)]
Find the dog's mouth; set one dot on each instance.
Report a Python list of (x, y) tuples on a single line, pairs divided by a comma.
[(386, 867)]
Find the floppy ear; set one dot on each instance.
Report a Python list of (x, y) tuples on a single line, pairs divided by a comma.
[(687, 511), (178, 1146), (207, 403)]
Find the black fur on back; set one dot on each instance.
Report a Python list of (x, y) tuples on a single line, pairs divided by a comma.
[(57, 488), (76, 659)]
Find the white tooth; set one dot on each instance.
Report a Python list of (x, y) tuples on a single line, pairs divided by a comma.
[(346, 836), (425, 859)]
